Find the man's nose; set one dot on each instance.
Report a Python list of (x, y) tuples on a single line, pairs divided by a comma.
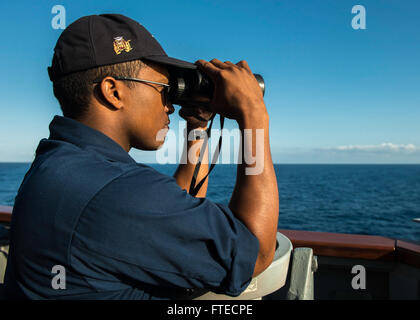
[(170, 108)]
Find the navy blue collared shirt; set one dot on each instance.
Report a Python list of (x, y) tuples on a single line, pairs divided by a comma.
[(118, 229)]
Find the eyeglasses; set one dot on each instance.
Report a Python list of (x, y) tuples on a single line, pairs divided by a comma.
[(165, 90)]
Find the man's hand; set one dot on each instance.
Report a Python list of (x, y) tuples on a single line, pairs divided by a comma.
[(237, 93), (197, 117), (255, 198)]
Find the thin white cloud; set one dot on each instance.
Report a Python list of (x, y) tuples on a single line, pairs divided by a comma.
[(383, 147)]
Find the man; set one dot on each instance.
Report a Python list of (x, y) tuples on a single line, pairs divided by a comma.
[(121, 230)]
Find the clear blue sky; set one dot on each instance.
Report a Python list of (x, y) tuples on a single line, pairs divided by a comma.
[(334, 94)]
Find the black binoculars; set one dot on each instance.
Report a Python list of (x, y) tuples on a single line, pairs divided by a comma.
[(191, 87)]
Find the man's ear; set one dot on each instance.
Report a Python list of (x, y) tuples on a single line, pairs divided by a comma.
[(112, 92)]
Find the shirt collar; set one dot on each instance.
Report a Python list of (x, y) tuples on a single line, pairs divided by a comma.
[(77, 133)]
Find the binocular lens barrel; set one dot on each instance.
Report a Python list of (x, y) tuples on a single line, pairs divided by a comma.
[(194, 88)]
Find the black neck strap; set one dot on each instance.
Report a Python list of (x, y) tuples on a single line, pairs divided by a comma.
[(193, 187)]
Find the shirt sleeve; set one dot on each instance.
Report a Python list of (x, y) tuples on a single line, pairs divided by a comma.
[(151, 231)]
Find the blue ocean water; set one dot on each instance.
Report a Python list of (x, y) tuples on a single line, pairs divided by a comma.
[(359, 199)]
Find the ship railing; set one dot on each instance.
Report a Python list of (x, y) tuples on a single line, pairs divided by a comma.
[(308, 245)]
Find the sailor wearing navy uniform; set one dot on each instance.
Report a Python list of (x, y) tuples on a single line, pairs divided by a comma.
[(117, 228)]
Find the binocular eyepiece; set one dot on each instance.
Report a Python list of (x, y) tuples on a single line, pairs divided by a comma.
[(194, 88)]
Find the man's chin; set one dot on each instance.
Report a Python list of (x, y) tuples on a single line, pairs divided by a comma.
[(152, 145), (160, 144), (151, 148)]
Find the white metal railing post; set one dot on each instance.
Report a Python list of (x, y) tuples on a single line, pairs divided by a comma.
[(304, 264)]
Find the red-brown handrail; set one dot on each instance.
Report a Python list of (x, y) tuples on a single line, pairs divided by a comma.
[(5, 214), (333, 244), (343, 245)]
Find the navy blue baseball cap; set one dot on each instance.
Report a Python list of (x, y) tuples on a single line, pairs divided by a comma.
[(105, 39)]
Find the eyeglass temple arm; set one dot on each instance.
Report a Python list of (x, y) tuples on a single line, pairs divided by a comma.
[(135, 79)]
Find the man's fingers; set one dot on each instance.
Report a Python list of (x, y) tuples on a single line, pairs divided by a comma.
[(244, 64), (203, 113), (219, 64), (208, 67), (193, 121), (230, 64), (214, 65), (187, 111)]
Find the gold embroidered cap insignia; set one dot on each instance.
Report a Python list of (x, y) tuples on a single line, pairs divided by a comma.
[(121, 45)]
